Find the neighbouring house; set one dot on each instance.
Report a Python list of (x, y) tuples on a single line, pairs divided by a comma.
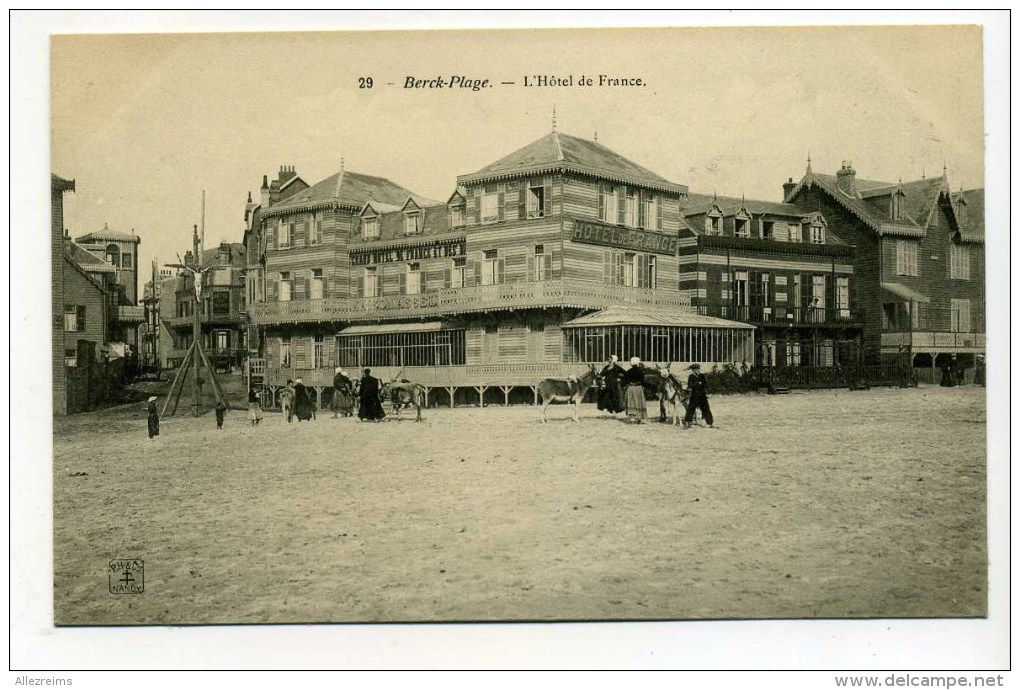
[(776, 266), (119, 250), (919, 261)]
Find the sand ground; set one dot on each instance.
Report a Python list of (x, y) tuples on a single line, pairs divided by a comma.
[(815, 504)]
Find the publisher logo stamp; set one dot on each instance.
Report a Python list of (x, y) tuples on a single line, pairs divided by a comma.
[(127, 576)]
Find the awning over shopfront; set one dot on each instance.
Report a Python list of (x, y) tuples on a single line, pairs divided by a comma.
[(905, 293), (385, 328), (630, 316)]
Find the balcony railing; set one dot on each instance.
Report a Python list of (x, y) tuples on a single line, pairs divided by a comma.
[(781, 315), (504, 296), (188, 321), (130, 314), (934, 340)]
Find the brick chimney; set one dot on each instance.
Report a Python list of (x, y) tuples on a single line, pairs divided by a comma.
[(788, 187), (265, 192), (846, 179), (286, 172), (223, 255)]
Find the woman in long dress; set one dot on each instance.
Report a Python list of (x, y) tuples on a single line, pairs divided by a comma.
[(254, 405), (368, 395), (634, 382), (611, 396)]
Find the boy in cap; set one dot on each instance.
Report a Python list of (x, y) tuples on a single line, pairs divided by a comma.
[(221, 411), (153, 416), (698, 385)]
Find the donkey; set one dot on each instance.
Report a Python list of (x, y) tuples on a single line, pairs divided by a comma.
[(403, 394), (568, 390), (670, 391)]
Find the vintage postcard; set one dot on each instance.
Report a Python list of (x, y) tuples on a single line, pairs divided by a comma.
[(664, 324)]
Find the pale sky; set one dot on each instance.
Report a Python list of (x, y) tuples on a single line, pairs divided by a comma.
[(144, 123)]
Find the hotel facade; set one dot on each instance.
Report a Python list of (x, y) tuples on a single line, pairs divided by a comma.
[(558, 255)]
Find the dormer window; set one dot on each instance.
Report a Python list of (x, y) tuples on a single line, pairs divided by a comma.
[(456, 216), (961, 213), (767, 230), (412, 223), (742, 227), (370, 227), (713, 225), (817, 233), (795, 232), (896, 205)]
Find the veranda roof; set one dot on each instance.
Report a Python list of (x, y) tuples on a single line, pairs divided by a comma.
[(634, 316), (903, 292), (383, 328)]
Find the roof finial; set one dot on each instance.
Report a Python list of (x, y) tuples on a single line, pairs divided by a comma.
[(809, 162), (596, 136), (922, 171), (554, 118), (943, 167)]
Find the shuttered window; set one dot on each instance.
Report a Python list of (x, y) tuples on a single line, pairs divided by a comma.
[(906, 258), (959, 262), (284, 293), (960, 316), (630, 218), (315, 235), (413, 279), (370, 282), (74, 318), (283, 235), (316, 291), (607, 203), (370, 227), (490, 205)]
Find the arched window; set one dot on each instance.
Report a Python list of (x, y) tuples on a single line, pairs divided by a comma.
[(113, 255)]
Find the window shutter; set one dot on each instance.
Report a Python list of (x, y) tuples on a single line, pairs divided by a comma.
[(602, 201), (642, 270), (531, 268), (557, 261), (522, 201), (271, 236), (658, 213), (642, 213), (403, 283), (447, 279), (607, 266), (473, 194), (547, 196), (830, 293), (271, 290), (361, 286), (621, 205), (79, 315), (500, 201), (501, 270), (478, 273)]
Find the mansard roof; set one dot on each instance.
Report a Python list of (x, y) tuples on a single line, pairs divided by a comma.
[(561, 152)]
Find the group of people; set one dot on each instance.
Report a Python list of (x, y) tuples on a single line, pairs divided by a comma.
[(624, 391)]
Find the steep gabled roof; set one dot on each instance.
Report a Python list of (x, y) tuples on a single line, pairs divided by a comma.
[(973, 230), (730, 205), (85, 259), (870, 204), (238, 256), (349, 189), (556, 151)]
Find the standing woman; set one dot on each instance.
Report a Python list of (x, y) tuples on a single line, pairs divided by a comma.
[(254, 405), (153, 417), (368, 395), (611, 396), (634, 381)]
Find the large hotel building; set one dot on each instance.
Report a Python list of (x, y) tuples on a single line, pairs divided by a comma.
[(560, 254)]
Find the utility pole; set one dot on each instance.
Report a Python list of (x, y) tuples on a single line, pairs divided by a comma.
[(196, 328)]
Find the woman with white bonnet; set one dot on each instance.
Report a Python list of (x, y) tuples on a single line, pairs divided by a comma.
[(633, 381)]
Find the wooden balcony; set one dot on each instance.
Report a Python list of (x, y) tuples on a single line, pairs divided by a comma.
[(502, 297), (934, 341), (784, 315)]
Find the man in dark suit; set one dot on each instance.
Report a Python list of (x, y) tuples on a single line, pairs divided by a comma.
[(698, 385)]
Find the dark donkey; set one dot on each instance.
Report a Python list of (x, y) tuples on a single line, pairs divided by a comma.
[(568, 390)]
